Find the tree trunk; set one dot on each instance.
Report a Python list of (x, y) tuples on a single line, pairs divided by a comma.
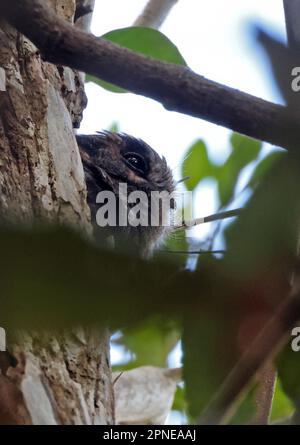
[(63, 378)]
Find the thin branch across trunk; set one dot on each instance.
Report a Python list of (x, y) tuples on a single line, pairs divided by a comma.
[(261, 351), (264, 395)]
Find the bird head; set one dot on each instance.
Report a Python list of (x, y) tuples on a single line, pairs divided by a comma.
[(110, 159)]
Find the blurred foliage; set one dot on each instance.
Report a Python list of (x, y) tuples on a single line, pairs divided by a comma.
[(210, 305), (263, 167), (210, 343), (270, 218), (214, 336), (225, 309), (252, 279), (51, 278), (247, 409), (150, 344), (282, 61), (282, 407), (257, 244), (196, 165), (147, 41), (180, 403), (114, 127), (205, 357), (64, 280)]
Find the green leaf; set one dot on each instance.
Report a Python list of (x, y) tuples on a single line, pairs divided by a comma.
[(147, 41), (261, 169), (248, 148), (196, 165), (244, 150), (267, 228), (150, 344), (51, 278), (282, 407), (207, 354)]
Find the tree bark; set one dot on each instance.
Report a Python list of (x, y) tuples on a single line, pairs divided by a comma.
[(46, 378)]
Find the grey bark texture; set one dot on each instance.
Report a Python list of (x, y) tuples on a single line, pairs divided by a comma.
[(292, 21), (54, 378)]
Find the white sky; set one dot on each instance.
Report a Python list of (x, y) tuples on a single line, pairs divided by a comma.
[(214, 38)]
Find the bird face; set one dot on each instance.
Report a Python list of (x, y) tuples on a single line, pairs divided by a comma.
[(113, 158)]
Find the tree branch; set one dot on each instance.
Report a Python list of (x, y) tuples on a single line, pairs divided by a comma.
[(155, 13), (175, 86), (264, 395), (292, 21)]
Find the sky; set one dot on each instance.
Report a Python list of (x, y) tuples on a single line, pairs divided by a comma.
[(214, 37)]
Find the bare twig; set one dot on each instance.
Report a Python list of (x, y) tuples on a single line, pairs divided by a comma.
[(186, 178), (155, 13), (210, 218), (175, 86), (196, 252)]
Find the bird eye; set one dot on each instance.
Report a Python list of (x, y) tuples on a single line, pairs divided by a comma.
[(136, 162)]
